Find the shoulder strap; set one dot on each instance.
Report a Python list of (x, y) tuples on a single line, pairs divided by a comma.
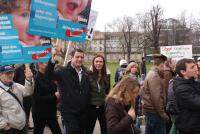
[(14, 96)]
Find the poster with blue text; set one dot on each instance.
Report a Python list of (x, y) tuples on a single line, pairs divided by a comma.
[(17, 46), (62, 19)]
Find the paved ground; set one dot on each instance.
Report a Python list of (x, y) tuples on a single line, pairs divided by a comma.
[(96, 130), (47, 130)]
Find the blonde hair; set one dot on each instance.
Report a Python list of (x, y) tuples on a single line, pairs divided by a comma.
[(125, 91), (130, 65)]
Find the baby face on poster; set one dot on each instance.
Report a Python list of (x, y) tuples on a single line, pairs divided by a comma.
[(70, 9), (20, 10)]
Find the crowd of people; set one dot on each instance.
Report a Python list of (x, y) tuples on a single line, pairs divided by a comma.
[(167, 97)]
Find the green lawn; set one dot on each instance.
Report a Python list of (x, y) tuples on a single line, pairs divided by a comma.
[(112, 67)]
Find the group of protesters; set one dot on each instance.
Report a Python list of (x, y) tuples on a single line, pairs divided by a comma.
[(167, 96)]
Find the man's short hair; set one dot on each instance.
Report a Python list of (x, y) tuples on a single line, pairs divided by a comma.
[(158, 59), (76, 50), (181, 65)]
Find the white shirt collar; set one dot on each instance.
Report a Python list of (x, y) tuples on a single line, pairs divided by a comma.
[(4, 86)]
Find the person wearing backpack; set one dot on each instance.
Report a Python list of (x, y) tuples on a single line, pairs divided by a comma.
[(121, 70)]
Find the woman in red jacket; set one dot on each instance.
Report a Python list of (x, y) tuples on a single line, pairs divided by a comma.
[(120, 102)]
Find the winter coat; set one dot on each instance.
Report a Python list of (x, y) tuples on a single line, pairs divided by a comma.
[(75, 95), (154, 96), (188, 99), (118, 120), (11, 111), (171, 107), (98, 93), (44, 99)]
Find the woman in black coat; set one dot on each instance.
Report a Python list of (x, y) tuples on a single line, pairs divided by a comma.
[(100, 85)]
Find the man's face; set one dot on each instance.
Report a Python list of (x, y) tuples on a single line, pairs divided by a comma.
[(161, 67), (191, 71), (7, 77), (42, 66), (77, 59)]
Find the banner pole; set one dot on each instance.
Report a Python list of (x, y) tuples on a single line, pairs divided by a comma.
[(67, 52)]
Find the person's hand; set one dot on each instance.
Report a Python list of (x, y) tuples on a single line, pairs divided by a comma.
[(7, 127), (131, 112), (56, 50), (165, 117), (57, 94), (28, 74)]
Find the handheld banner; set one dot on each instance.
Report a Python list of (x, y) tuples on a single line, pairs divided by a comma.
[(16, 45), (91, 24), (62, 19)]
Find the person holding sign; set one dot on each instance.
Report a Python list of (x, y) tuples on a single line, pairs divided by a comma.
[(70, 9), (20, 9), (12, 115), (74, 88)]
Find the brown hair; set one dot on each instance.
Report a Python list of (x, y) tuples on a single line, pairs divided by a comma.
[(103, 70), (181, 65), (76, 50), (7, 6), (125, 91)]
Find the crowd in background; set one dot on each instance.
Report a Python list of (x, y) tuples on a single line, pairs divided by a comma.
[(167, 97)]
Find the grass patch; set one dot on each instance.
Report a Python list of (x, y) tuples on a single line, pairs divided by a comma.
[(113, 67)]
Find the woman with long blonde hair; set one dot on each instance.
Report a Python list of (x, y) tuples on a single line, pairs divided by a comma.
[(132, 70), (120, 103)]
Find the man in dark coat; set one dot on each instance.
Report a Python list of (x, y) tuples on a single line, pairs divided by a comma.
[(74, 88), (188, 97)]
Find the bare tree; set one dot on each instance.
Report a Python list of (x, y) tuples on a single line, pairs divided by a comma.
[(150, 23), (155, 16), (116, 26), (143, 37), (126, 27)]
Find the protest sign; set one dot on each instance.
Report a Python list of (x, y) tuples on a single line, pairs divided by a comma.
[(91, 24), (177, 52), (62, 19), (16, 45)]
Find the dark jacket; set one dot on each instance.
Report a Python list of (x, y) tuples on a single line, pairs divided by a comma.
[(75, 96), (171, 107), (19, 76), (118, 120), (143, 67), (120, 72), (98, 94), (44, 101), (188, 99), (168, 75)]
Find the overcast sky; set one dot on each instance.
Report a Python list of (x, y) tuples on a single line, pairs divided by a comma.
[(111, 9)]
